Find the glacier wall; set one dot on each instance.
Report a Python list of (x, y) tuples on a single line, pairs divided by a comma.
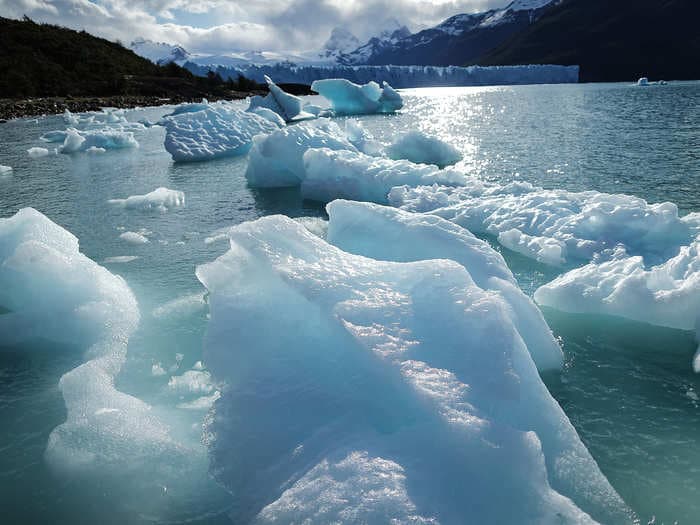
[(398, 76)]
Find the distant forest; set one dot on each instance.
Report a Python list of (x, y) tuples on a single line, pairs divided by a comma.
[(43, 60)]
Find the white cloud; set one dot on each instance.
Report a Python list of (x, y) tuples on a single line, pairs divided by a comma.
[(224, 25)]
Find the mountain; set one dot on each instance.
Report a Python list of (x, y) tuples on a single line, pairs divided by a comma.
[(612, 40), (458, 40), (340, 42), (388, 38), (46, 60), (159, 52)]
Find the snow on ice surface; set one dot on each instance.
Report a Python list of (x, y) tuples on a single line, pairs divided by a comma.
[(347, 98), (270, 115), (556, 226), (160, 199), (389, 234), (214, 132), (53, 291), (276, 160), (423, 149), (409, 369), (345, 174), (289, 107), (666, 295)]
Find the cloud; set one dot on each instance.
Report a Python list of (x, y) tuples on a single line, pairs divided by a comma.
[(216, 26)]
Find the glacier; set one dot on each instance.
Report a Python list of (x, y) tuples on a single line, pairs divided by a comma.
[(381, 371), (218, 130), (397, 76), (347, 98), (421, 148)]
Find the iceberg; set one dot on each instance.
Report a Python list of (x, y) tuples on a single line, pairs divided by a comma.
[(52, 291), (75, 140), (347, 98), (289, 107), (667, 294), (423, 149), (387, 375), (557, 226), (362, 139), (276, 160), (346, 174), (389, 234), (270, 115), (5, 170), (134, 238), (160, 199), (36, 152), (218, 131)]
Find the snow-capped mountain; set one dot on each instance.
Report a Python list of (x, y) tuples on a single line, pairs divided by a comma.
[(389, 37), (339, 43), (159, 52), (459, 40)]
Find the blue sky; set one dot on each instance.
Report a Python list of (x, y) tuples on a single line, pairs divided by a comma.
[(214, 26)]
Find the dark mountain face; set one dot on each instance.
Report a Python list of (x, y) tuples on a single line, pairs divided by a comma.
[(458, 40), (611, 40)]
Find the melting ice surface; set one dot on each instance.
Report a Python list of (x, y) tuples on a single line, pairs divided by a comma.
[(626, 387)]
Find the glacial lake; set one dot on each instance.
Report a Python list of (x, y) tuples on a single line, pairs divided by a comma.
[(627, 387)]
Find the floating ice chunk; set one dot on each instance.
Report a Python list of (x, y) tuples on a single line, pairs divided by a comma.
[(134, 238), (542, 249), (287, 106), (5, 170), (120, 259), (160, 199), (192, 382), (53, 136), (644, 81), (95, 149), (276, 160), (389, 234), (70, 118), (54, 292), (36, 153), (583, 224), (76, 140), (347, 98), (270, 115), (218, 131), (410, 363), (355, 489), (157, 370), (665, 295), (352, 175), (424, 149)]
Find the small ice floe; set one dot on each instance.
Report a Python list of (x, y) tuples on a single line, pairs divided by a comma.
[(134, 238), (36, 153), (160, 199), (120, 259), (5, 170)]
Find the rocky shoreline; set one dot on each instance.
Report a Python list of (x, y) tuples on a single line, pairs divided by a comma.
[(32, 107)]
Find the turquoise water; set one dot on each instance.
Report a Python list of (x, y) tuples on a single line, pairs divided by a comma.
[(627, 387)]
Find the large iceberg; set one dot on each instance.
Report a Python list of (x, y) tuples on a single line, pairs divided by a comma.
[(276, 160), (557, 226), (351, 175), (51, 291), (217, 131), (389, 234), (420, 148), (404, 379), (666, 295), (347, 98)]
